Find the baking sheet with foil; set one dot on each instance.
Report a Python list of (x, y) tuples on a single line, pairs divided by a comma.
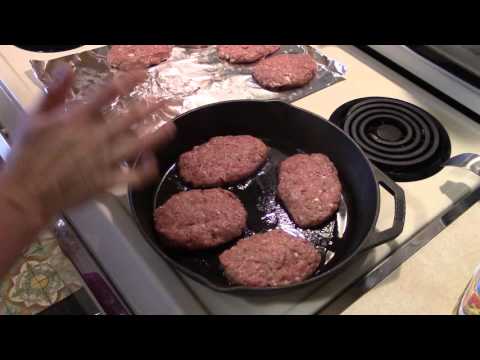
[(190, 78)]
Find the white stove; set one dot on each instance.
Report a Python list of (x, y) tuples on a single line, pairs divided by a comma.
[(147, 285)]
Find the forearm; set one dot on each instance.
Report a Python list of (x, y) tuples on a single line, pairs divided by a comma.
[(33, 188), (19, 225)]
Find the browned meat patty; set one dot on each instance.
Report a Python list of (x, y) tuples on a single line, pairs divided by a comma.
[(128, 57), (271, 259), (223, 159), (310, 188), (244, 54), (200, 219), (285, 71)]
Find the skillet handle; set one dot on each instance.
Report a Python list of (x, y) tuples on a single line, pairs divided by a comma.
[(380, 237)]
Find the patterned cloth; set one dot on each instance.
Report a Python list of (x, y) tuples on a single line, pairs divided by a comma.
[(42, 277)]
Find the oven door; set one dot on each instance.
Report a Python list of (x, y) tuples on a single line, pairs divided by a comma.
[(453, 70)]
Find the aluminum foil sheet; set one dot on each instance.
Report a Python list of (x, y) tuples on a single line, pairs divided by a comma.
[(190, 78)]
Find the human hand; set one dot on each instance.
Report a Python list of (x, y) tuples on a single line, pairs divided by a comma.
[(61, 158)]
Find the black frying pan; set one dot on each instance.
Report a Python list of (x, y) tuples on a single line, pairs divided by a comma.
[(287, 130)]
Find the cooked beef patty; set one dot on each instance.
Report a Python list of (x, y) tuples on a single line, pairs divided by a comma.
[(244, 54), (222, 160), (309, 187), (200, 219), (270, 259), (285, 71), (128, 57)]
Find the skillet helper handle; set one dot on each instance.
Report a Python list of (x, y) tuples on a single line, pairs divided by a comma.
[(380, 237)]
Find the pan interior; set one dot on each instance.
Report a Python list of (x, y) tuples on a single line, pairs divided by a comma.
[(265, 212), (286, 130)]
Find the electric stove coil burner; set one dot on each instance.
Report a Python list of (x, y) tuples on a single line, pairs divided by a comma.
[(403, 140)]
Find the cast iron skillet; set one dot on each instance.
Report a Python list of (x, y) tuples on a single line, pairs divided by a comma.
[(287, 130)]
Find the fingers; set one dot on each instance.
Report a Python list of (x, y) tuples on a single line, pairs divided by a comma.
[(127, 148), (58, 92), (144, 172), (136, 113), (120, 85)]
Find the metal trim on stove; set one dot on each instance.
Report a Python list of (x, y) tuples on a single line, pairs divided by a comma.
[(11, 103), (98, 285), (4, 147), (459, 60), (430, 77)]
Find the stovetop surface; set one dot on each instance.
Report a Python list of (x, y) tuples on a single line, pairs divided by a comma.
[(151, 286)]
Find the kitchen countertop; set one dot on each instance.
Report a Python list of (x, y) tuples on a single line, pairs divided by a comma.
[(432, 281)]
